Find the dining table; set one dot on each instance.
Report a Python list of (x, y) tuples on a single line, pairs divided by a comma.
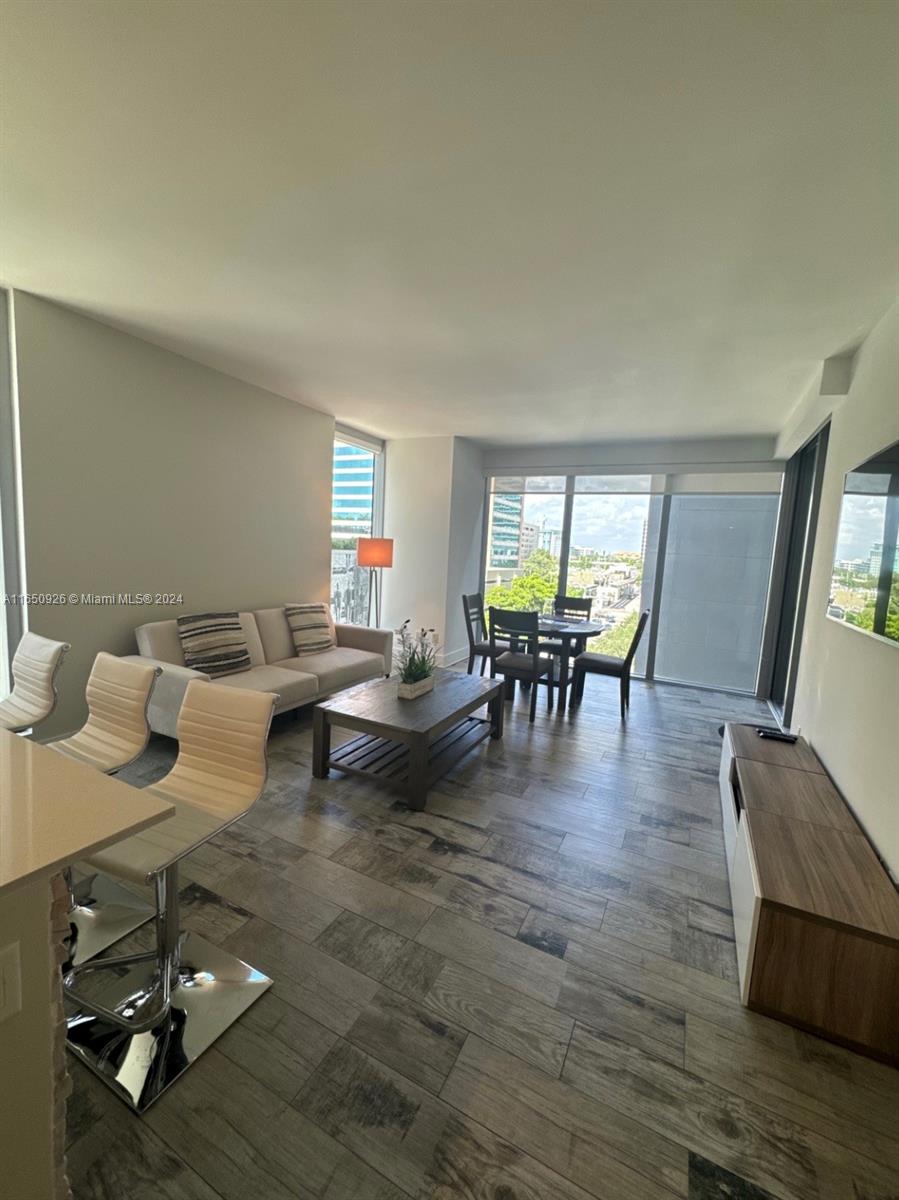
[(571, 634)]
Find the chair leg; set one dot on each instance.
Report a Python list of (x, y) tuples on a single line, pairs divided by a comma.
[(471, 663), (623, 690), (550, 690), (534, 690), (483, 664), (627, 691)]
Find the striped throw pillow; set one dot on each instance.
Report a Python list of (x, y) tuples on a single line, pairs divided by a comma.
[(311, 627), (214, 643)]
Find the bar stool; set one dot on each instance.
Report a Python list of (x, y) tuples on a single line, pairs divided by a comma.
[(115, 734), (34, 668), (157, 1012)]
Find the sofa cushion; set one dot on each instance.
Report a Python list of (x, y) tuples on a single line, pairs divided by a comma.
[(214, 642), (293, 687), (311, 627), (159, 640), (274, 633), (254, 642), (338, 668)]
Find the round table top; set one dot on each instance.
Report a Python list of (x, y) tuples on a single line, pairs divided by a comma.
[(571, 626)]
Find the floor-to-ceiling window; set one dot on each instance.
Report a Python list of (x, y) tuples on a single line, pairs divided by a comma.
[(607, 554), (524, 541), (357, 488), (696, 551)]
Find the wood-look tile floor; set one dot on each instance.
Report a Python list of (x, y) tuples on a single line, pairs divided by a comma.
[(527, 992)]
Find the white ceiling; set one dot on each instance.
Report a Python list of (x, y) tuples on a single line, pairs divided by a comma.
[(518, 220)]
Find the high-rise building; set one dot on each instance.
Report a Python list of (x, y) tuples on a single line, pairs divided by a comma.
[(505, 530), (352, 497), (529, 541), (551, 540), (875, 561)]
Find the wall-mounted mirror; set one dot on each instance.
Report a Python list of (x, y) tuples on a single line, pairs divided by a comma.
[(864, 588)]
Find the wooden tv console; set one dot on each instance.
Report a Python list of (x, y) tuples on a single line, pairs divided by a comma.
[(816, 916)]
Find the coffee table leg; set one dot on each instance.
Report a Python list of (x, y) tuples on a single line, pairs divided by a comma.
[(418, 773), (497, 710), (321, 743)]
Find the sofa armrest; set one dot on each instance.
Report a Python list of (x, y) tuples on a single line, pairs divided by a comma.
[(360, 637), (165, 701)]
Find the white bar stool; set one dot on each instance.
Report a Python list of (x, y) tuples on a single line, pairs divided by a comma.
[(157, 1012), (115, 734), (34, 667)]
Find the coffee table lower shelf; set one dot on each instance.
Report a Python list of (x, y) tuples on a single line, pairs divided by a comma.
[(388, 762)]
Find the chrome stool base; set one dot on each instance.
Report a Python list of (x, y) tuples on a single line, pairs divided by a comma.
[(102, 914), (210, 990)]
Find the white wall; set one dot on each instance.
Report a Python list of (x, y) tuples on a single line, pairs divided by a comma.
[(466, 538), (847, 697), (417, 497), (145, 472), (433, 509)]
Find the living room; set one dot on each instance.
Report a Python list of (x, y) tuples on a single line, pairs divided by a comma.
[(449, 480)]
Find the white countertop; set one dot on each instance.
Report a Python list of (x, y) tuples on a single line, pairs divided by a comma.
[(54, 811)]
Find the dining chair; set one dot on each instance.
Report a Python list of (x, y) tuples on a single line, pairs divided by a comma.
[(573, 606), (159, 1010), (34, 668), (476, 628), (530, 665), (114, 735), (604, 664)]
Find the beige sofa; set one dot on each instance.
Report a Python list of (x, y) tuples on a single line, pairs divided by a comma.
[(360, 654)]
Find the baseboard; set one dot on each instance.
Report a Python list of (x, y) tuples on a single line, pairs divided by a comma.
[(448, 658)]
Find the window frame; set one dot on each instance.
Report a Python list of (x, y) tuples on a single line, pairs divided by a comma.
[(347, 436), (12, 553)]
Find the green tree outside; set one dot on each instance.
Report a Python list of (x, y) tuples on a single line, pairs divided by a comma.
[(535, 590)]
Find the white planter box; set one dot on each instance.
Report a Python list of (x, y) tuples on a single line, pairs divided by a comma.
[(410, 691)]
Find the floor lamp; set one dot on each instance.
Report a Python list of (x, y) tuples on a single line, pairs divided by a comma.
[(374, 553)]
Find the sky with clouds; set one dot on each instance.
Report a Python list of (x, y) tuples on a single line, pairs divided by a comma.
[(861, 525), (602, 522)]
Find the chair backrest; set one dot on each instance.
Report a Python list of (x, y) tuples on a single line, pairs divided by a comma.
[(638, 633), (510, 625), (222, 763), (475, 624), (117, 694), (34, 668), (573, 606)]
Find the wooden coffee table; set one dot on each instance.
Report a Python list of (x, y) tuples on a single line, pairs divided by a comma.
[(407, 743)]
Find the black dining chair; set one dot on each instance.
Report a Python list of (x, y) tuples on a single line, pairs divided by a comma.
[(590, 663), (576, 607), (476, 628), (572, 608), (525, 660)]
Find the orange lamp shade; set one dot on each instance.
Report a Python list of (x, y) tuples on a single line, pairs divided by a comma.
[(374, 552)]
